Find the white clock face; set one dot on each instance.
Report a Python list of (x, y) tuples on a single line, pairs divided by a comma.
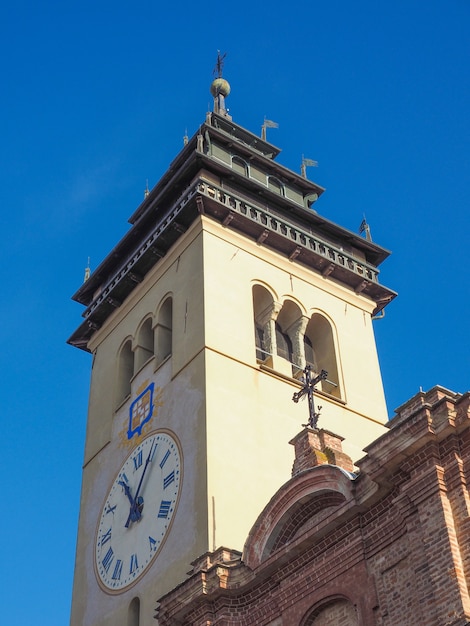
[(138, 511)]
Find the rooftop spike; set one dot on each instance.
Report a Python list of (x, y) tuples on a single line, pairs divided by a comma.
[(87, 271), (220, 88), (365, 228)]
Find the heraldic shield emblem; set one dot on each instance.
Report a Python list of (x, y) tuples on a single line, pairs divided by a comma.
[(140, 411)]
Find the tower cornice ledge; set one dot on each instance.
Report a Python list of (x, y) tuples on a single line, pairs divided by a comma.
[(141, 249)]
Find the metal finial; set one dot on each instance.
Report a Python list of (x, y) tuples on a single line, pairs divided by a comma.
[(220, 88), (365, 228), (219, 66), (87, 271), (308, 389), (146, 190)]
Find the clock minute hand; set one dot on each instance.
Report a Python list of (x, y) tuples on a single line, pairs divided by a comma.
[(148, 460)]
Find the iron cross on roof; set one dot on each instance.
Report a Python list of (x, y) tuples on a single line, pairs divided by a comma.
[(309, 389)]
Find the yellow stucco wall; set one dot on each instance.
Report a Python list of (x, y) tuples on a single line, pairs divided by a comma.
[(250, 412), (233, 418)]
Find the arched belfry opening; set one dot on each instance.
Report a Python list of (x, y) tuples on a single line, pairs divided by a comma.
[(125, 371), (145, 344), (287, 339), (164, 330), (265, 310), (320, 352), (290, 326)]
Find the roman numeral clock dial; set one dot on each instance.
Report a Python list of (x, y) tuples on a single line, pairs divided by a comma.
[(138, 511)]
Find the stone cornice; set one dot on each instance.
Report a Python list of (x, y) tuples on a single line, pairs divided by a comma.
[(289, 237)]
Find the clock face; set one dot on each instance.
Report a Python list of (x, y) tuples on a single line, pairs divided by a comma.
[(138, 511)]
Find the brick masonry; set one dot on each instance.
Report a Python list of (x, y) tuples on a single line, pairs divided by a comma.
[(388, 545)]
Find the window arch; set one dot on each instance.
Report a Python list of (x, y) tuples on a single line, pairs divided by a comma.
[(240, 166), (275, 185), (264, 310), (125, 371), (145, 344), (332, 612), (164, 331), (133, 616), (289, 330), (287, 340), (320, 352)]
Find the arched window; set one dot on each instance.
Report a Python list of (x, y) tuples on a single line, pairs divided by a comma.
[(240, 166), (133, 616), (145, 344), (275, 185), (290, 325), (264, 311), (125, 371), (164, 331), (260, 341), (283, 344), (332, 612), (322, 353)]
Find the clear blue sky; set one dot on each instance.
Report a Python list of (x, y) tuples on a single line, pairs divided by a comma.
[(96, 98)]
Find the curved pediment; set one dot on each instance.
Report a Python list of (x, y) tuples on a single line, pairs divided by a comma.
[(302, 504)]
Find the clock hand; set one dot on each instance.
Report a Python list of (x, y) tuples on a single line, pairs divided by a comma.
[(136, 506), (127, 491), (148, 460), (134, 513)]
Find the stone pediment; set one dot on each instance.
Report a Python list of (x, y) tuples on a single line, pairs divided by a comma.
[(308, 504)]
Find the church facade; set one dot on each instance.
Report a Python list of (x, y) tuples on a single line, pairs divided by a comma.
[(388, 545), (229, 296)]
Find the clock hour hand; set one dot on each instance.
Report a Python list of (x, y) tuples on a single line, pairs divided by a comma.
[(137, 505), (134, 512), (127, 491)]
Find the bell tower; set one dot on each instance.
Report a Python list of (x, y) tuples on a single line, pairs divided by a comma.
[(201, 322)]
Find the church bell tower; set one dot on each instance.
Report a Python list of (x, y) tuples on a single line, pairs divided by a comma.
[(201, 322)]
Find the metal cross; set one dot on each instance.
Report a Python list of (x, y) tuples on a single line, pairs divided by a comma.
[(309, 389)]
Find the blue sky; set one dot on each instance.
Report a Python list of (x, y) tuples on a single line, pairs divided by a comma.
[(96, 99)]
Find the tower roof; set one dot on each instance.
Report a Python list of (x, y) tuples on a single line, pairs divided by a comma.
[(230, 174)]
